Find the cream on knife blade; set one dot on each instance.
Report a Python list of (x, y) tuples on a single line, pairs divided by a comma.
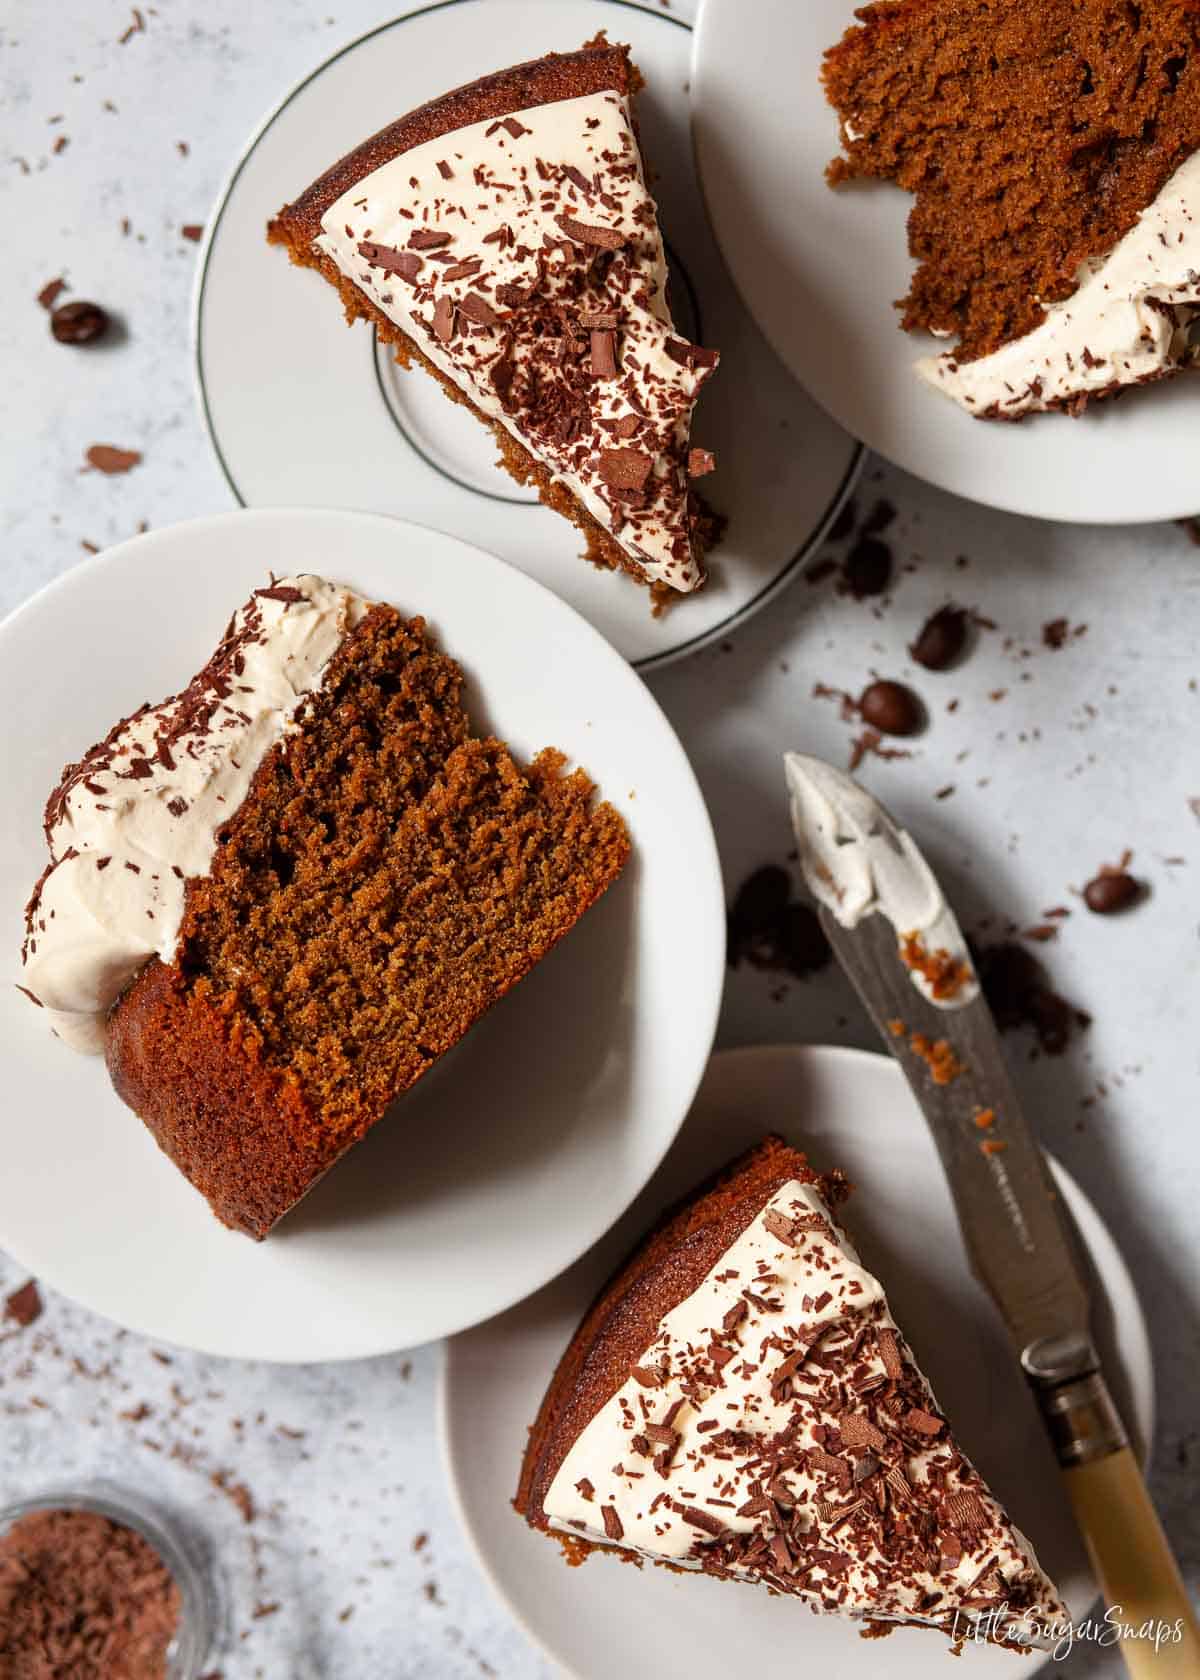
[(858, 863)]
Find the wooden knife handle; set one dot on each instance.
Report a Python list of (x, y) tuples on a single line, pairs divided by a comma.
[(1136, 1569)]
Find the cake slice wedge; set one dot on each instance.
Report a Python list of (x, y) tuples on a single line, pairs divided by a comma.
[(503, 238), (1053, 151), (276, 898), (740, 1401)]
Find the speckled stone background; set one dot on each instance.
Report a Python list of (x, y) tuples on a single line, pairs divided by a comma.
[(318, 1491)]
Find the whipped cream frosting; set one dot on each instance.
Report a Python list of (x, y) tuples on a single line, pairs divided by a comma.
[(138, 817), (857, 862), (777, 1429), (524, 257), (1129, 320)]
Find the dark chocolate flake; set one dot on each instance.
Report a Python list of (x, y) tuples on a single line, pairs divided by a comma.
[(624, 469), (404, 263), (586, 233)]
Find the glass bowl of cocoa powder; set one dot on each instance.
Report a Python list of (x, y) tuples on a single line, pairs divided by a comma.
[(96, 1585)]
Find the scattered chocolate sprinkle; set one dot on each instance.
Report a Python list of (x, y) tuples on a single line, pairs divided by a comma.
[(700, 462), (780, 1226), (404, 263), (285, 592), (613, 1526), (625, 468), (443, 318), (427, 239), (444, 170), (24, 1305), (479, 310), (137, 27), (585, 233), (107, 458), (602, 344), (50, 292)]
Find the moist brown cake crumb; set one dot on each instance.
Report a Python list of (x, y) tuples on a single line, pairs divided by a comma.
[(387, 879), (1032, 136)]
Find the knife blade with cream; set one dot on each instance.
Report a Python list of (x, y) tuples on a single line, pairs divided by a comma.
[(898, 940)]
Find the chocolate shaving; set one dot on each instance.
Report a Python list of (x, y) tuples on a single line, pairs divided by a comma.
[(859, 1431), (404, 263), (585, 233), (625, 469), (700, 463), (603, 348), (780, 1226), (613, 1526), (428, 239), (478, 309), (443, 318), (889, 1352), (701, 1519), (285, 592), (24, 1305)]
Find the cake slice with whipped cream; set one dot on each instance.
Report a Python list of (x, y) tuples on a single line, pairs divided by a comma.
[(504, 238), (739, 1401), (1054, 157), (276, 898)]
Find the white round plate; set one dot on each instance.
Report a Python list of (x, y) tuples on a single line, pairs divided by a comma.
[(846, 1108), (820, 271), (303, 411), (529, 1138)]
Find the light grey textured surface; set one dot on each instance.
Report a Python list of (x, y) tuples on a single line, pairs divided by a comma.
[(1059, 760)]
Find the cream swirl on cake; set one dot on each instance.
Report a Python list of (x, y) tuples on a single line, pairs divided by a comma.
[(1128, 322), (777, 1430), (524, 258), (140, 814)]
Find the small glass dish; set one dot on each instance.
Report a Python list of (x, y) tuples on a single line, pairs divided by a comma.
[(197, 1605)]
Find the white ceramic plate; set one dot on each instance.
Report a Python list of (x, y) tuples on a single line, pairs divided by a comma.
[(303, 411), (529, 1138), (847, 1108), (820, 271)]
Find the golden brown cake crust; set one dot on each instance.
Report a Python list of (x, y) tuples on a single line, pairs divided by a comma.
[(621, 1323), (1031, 135), (387, 879), (596, 66)]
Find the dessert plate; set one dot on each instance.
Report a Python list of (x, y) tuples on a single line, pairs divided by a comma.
[(525, 1142), (820, 271), (849, 1108), (301, 410)]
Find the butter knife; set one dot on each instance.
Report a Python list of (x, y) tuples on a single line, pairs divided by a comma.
[(894, 934)]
